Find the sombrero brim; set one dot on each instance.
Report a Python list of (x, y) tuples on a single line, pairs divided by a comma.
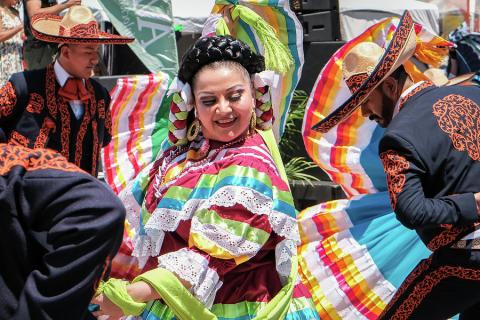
[(47, 27), (398, 51), (460, 79)]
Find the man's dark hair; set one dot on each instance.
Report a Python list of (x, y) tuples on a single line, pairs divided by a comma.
[(400, 75)]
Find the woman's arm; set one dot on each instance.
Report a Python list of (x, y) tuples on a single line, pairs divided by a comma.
[(139, 291), (142, 292), (9, 33), (35, 7)]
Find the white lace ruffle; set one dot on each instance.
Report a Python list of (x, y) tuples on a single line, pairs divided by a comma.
[(167, 219), (252, 200), (258, 203), (131, 206), (284, 251), (236, 245), (285, 226), (145, 246), (193, 268)]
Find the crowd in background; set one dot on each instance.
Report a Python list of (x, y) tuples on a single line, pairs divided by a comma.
[(11, 40)]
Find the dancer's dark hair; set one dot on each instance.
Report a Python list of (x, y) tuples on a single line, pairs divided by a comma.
[(207, 50)]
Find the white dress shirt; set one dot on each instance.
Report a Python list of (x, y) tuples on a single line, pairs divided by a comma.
[(62, 77)]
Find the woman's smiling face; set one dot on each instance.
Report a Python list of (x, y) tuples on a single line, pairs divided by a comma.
[(223, 101)]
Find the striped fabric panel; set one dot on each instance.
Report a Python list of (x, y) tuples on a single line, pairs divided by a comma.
[(289, 30), (331, 273), (343, 279), (339, 151), (177, 197), (333, 218), (139, 109), (227, 238), (202, 186), (346, 256)]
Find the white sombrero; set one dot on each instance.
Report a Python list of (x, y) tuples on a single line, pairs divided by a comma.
[(78, 26), (366, 65)]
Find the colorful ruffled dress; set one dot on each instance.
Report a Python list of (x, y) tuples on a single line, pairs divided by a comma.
[(225, 225)]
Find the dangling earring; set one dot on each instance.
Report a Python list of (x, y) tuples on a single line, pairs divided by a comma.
[(253, 122), (193, 130)]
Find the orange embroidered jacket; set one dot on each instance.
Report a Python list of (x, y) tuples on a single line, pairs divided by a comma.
[(59, 227), (431, 156), (33, 115)]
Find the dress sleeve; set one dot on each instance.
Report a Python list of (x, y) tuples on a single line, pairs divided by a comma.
[(83, 224), (405, 173)]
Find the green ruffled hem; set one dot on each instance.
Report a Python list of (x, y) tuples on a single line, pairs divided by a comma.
[(185, 306)]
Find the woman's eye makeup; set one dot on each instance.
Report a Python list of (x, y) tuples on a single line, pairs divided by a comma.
[(237, 95), (208, 102), (232, 97)]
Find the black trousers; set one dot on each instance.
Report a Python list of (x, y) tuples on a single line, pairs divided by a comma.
[(445, 284)]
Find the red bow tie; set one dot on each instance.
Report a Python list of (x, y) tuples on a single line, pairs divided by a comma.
[(74, 89)]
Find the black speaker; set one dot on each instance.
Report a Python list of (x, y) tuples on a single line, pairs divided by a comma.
[(313, 5), (320, 26), (316, 56), (127, 62), (306, 194)]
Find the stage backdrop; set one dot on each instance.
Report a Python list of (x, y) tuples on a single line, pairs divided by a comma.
[(150, 22)]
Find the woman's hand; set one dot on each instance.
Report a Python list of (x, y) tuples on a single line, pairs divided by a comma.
[(107, 307)]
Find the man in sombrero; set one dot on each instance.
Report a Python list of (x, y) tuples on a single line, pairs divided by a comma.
[(60, 107), (431, 156)]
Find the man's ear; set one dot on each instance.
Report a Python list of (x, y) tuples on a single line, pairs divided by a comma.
[(64, 51), (390, 88)]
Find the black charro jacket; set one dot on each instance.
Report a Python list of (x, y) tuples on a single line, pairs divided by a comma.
[(33, 115), (59, 228), (431, 155)]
